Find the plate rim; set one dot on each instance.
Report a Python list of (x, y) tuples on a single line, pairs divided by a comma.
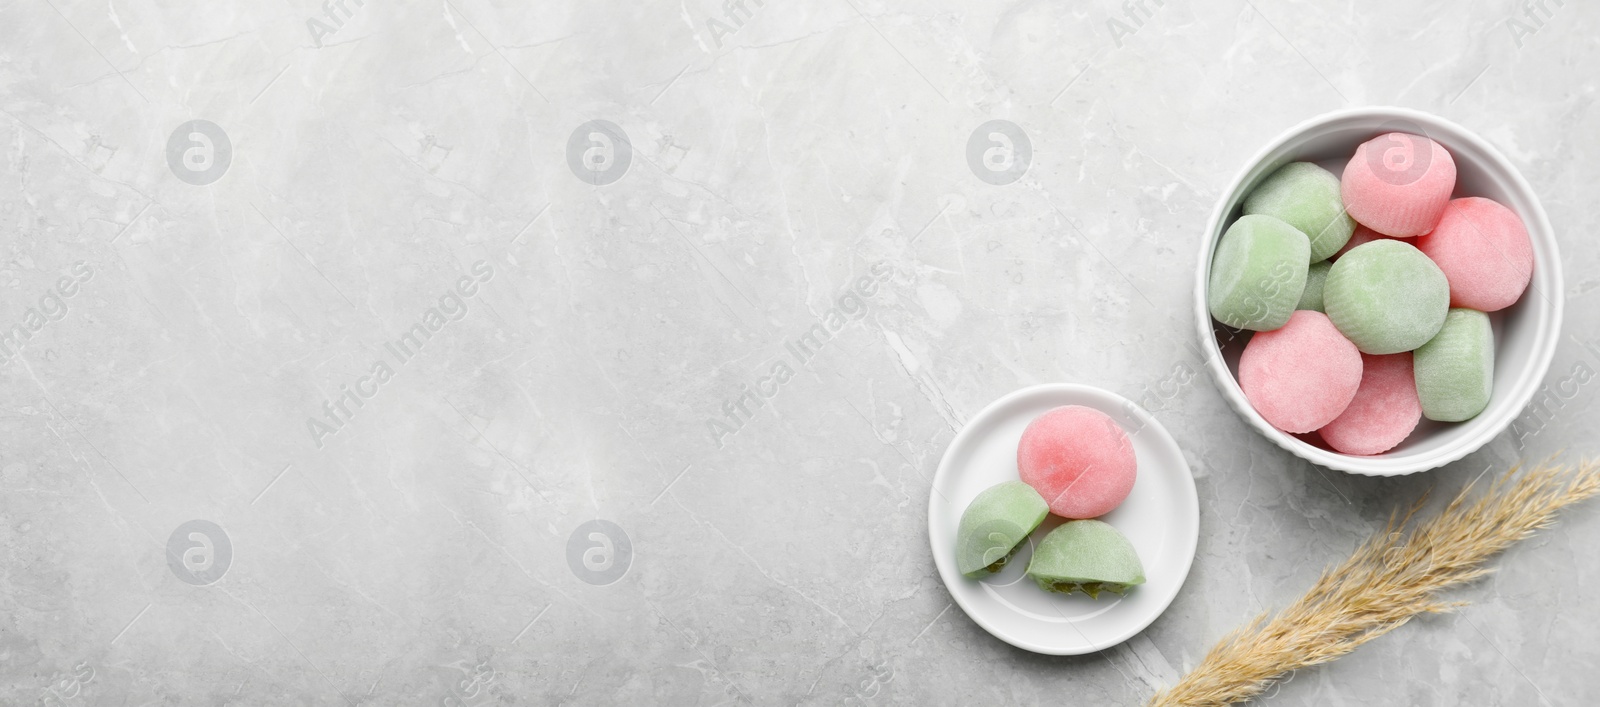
[(1187, 490)]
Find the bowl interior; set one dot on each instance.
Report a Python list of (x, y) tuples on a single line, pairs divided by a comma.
[(1525, 333)]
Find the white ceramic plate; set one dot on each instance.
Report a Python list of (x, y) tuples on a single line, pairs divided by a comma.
[(1161, 518)]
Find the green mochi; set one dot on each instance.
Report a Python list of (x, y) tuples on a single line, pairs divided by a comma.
[(1386, 296), (1087, 556), (1258, 273), (1455, 370), (996, 523), (1316, 277), (1307, 197)]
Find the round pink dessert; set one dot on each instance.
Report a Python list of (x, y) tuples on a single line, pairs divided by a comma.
[(1484, 251), (1300, 377), (1361, 235), (1385, 410), (1398, 184), (1078, 459)]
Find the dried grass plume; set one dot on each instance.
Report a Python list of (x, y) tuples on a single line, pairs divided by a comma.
[(1393, 576)]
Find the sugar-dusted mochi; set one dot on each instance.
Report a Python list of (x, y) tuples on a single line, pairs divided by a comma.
[(1079, 459), (1384, 411), (1305, 196), (1484, 251), (1455, 370), (1086, 556), (1386, 297), (1316, 277), (1361, 236), (1258, 273), (1398, 184), (1300, 377), (996, 523)]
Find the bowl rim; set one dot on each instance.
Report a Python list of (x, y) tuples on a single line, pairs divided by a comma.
[(1539, 230)]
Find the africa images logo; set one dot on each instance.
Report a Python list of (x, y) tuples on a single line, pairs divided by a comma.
[(999, 152), (199, 152), (452, 307), (1401, 155), (199, 552), (599, 552), (599, 152)]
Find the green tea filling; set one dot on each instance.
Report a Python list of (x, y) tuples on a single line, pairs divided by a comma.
[(1000, 564), (1092, 589)]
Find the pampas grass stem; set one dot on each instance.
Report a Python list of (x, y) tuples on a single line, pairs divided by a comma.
[(1393, 576)]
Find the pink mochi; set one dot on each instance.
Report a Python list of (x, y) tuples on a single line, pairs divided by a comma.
[(1398, 184), (1484, 251), (1300, 377), (1385, 410), (1078, 459), (1361, 235)]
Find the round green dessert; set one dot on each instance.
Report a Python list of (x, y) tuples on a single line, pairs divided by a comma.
[(1455, 370), (996, 523), (1386, 297), (1307, 197), (1316, 278), (1258, 273), (1086, 556)]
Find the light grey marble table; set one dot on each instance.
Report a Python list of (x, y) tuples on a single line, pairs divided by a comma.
[(319, 401)]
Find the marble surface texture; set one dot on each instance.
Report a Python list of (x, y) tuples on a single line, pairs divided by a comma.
[(229, 478)]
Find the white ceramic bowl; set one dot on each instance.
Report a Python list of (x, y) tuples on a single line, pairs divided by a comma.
[(1525, 333)]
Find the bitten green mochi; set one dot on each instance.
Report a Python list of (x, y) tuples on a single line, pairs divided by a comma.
[(1307, 197), (1258, 273), (1316, 278), (1086, 556), (1455, 370), (996, 523), (1386, 297)]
